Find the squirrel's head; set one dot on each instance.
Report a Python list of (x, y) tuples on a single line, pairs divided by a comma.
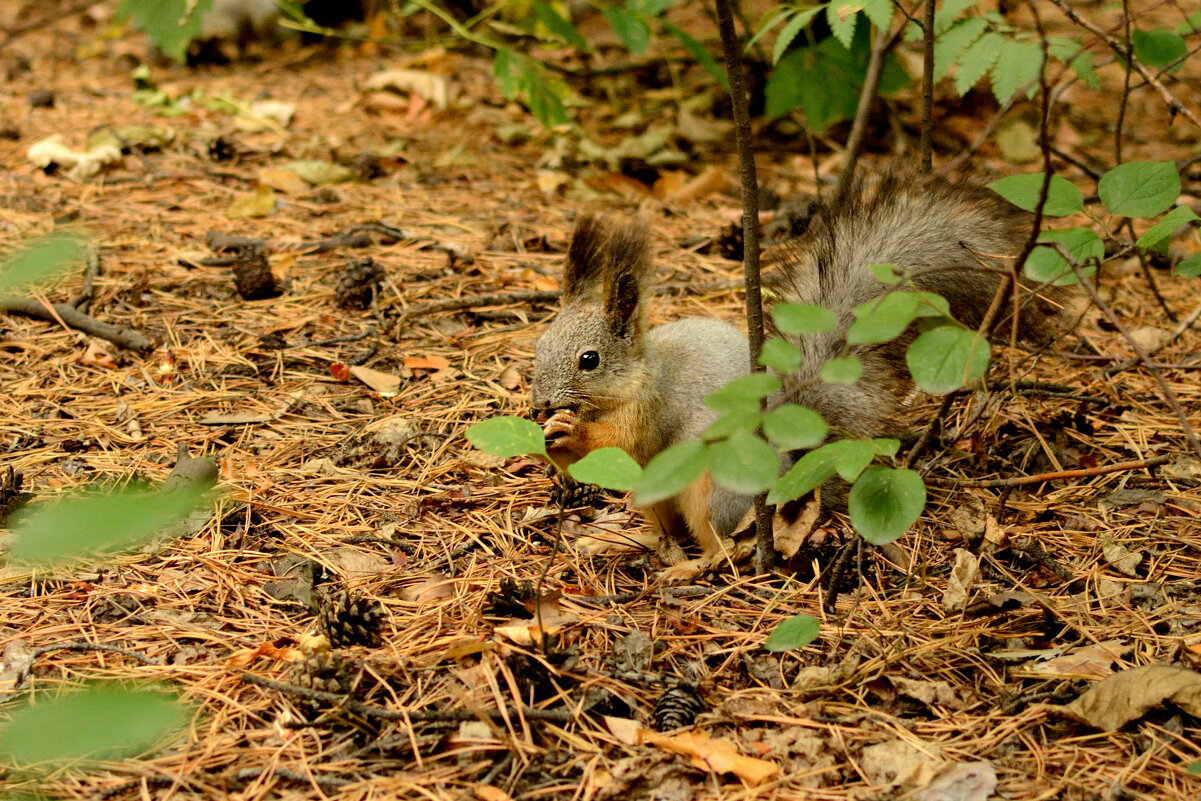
[(591, 356)]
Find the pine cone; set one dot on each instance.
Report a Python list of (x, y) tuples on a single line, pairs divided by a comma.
[(222, 149), (327, 672), (358, 283), (349, 619), (677, 707), (571, 494)]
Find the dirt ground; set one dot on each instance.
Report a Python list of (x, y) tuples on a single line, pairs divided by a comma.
[(335, 477)]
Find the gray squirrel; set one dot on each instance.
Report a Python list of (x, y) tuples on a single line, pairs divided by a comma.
[(603, 377)]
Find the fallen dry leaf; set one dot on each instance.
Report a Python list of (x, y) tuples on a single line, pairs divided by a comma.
[(718, 756), (258, 203), (627, 731), (510, 379), (959, 583), (267, 650), (1115, 701), (965, 781), (386, 384), (98, 354), (283, 180), (435, 588), (434, 363)]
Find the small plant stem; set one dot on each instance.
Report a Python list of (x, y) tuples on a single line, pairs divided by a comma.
[(1058, 475), (1174, 105), (927, 147), (731, 45), (1120, 128), (871, 85)]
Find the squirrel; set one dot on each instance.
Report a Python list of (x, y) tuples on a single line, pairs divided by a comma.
[(604, 377)]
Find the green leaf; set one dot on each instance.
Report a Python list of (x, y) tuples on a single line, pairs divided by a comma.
[(632, 31), (842, 17), (1023, 191), (518, 77), (743, 394), (508, 436), (730, 422), (167, 22), (1194, 767), (790, 31), (768, 22), (702, 56), (611, 468), (845, 457), (950, 46), (845, 371), (951, 10), (888, 273), (780, 354), (102, 722), (1162, 231), (559, 25), (792, 633), (97, 522), (879, 12), (649, 8), (1190, 267), (802, 318), (977, 60), (1140, 188), (1191, 24), (1017, 64), (810, 471), (1069, 51), (743, 463), (1158, 48), (946, 358), (671, 471), (885, 318), (885, 502), (1045, 265), (825, 79), (792, 427), (41, 258)]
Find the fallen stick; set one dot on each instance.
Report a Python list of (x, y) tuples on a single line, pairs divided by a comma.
[(1059, 475), (68, 315)]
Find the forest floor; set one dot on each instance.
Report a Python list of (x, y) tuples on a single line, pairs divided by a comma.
[(348, 479)]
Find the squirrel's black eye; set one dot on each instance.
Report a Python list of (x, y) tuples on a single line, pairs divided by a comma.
[(589, 360)]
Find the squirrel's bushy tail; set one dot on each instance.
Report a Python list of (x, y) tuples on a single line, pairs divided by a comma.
[(955, 237)]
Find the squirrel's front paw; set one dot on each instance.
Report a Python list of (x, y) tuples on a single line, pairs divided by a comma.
[(559, 427)]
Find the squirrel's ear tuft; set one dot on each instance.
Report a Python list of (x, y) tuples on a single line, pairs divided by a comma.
[(586, 258), (631, 253), (628, 272)]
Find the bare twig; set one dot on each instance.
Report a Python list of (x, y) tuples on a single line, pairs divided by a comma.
[(883, 42), (1174, 105), (1058, 475), (471, 301), (94, 646), (71, 317), (88, 290), (731, 45), (382, 713), (927, 147)]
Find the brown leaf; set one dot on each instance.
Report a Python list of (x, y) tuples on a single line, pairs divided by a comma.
[(283, 180), (1115, 701), (510, 378), (718, 756), (98, 354), (258, 203), (386, 384), (433, 363)]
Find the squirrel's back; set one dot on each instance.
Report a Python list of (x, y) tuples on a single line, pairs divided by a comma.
[(955, 238)]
